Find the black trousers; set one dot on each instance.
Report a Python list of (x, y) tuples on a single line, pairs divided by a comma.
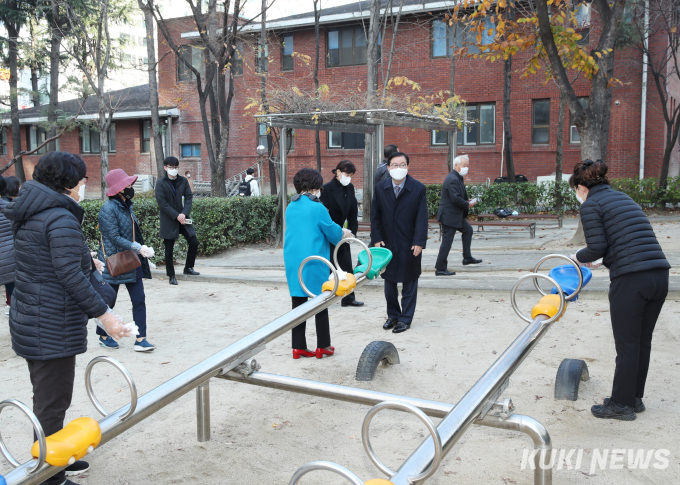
[(635, 301), (409, 296), (448, 233), (138, 299), (323, 332), (191, 253), (345, 263), (52, 382)]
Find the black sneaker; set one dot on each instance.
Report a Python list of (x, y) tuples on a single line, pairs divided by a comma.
[(639, 405), (78, 468), (611, 410), (69, 482)]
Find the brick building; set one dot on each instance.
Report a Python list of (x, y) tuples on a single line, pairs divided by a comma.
[(421, 54)]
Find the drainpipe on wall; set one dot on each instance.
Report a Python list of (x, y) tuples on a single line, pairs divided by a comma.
[(643, 106)]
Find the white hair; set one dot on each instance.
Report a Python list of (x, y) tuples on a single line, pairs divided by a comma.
[(459, 159)]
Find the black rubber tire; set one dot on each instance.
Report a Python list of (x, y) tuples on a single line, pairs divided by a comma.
[(569, 376), (373, 355)]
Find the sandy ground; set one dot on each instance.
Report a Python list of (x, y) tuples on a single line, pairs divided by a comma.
[(262, 436)]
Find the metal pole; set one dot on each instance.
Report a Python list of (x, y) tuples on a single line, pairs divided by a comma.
[(643, 101), (203, 412), (168, 392), (284, 180), (515, 422), (461, 417)]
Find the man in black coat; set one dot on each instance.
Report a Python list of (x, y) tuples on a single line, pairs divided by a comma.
[(399, 223), (381, 173), (174, 198), (339, 198), (453, 210)]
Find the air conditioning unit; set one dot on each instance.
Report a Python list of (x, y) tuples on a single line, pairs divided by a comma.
[(144, 183)]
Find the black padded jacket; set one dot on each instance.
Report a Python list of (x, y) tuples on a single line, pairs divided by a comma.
[(617, 230), (53, 298)]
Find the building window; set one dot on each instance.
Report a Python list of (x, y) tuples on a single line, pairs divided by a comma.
[(582, 16), (447, 38), (36, 136), (540, 122), (262, 62), (190, 150), (3, 141), (287, 63), (481, 129), (440, 138), (348, 141), (90, 139), (192, 55), (346, 46), (146, 136), (574, 136)]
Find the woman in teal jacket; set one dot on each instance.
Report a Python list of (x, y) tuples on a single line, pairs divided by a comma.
[(309, 231)]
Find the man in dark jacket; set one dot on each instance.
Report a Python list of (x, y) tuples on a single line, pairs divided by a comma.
[(381, 173), (399, 223), (453, 210), (174, 198)]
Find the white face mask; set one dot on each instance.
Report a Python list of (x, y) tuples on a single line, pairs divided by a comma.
[(578, 197), (398, 173), (463, 171), (81, 193), (173, 172), (345, 180)]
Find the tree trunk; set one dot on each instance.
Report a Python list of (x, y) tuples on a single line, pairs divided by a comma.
[(35, 88), (55, 48), (372, 85), (13, 34), (507, 128), (152, 69), (559, 157), (104, 125)]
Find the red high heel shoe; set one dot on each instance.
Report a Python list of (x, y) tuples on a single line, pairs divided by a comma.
[(321, 352), (297, 353)]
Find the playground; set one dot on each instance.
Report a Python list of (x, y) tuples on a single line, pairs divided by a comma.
[(261, 435)]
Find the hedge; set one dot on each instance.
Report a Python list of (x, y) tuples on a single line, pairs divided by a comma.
[(220, 223)]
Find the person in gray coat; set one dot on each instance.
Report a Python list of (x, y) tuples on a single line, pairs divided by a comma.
[(453, 210), (174, 198), (382, 173), (9, 188)]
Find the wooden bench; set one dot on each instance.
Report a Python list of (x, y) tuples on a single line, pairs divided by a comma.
[(552, 217), (530, 225)]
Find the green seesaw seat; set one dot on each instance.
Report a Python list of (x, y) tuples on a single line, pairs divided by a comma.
[(381, 258)]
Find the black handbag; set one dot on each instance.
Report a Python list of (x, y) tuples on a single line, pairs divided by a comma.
[(108, 294)]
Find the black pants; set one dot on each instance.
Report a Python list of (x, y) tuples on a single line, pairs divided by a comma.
[(323, 333), (345, 263), (138, 299), (409, 296), (448, 233), (9, 289), (192, 241), (635, 301), (52, 382)]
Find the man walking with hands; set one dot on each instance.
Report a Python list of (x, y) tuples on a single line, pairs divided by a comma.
[(174, 198), (399, 223), (453, 210)]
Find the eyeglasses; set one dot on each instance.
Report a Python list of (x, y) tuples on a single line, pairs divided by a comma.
[(401, 165)]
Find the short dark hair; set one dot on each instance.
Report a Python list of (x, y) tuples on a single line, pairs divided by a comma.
[(397, 154), (250, 171), (307, 179), (170, 162), (589, 174), (60, 171), (389, 150), (11, 188), (345, 166)]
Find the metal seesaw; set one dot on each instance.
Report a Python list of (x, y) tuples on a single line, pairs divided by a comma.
[(480, 405)]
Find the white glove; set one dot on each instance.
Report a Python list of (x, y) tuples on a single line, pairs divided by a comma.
[(151, 265), (346, 233), (114, 325), (147, 252), (342, 276)]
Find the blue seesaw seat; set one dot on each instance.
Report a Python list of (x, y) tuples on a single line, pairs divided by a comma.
[(567, 277), (2, 481)]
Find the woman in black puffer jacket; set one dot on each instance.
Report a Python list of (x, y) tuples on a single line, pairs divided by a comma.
[(9, 188), (618, 231), (53, 298)]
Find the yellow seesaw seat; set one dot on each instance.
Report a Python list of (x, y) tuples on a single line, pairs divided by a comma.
[(379, 481), (345, 287), (548, 305), (71, 443)]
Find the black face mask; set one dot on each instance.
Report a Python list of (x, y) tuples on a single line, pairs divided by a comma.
[(129, 193)]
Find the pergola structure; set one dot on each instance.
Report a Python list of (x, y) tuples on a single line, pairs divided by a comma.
[(369, 121)]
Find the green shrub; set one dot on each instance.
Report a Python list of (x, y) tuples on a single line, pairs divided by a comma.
[(220, 223)]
